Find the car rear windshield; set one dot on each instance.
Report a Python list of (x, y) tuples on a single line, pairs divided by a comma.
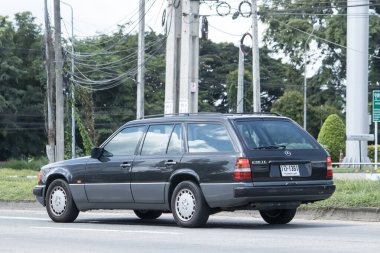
[(269, 134)]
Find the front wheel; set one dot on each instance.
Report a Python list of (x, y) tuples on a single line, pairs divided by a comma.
[(59, 202), (188, 205), (147, 214), (279, 216)]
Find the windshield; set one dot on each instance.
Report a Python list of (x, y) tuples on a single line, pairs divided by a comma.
[(274, 134)]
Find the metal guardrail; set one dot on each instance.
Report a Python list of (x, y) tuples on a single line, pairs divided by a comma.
[(374, 166)]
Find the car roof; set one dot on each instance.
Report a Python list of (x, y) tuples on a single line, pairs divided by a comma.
[(203, 116)]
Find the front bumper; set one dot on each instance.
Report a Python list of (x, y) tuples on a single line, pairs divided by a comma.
[(302, 193), (39, 192)]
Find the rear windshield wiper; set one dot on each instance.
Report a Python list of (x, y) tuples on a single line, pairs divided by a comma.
[(272, 147)]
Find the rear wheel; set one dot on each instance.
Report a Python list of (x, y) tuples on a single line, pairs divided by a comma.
[(147, 214), (188, 205), (279, 216), (59, 202)]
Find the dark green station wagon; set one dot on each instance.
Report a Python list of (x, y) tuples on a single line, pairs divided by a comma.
[(193, 165)]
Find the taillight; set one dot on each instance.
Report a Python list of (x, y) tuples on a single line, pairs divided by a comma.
[(40, 176), (242, 170), (329, 173)]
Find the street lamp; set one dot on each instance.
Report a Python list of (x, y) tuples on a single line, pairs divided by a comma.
[(72, 83), (316, 26)]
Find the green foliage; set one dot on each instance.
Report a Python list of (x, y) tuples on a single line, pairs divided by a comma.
[(288, 34), (17, 185), (332, 136), (87, 144), (100, 112), (30, 164), (21, 88), (353, 194), (290, 105), (371, 152), (275, 77)]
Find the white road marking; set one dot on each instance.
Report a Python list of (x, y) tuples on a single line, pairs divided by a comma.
[(111, 230), (22, 218)]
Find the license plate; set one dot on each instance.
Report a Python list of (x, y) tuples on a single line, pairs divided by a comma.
[(291, 170)]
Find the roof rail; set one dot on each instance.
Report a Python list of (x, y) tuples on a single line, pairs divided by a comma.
[(254, 113), (208, 114)]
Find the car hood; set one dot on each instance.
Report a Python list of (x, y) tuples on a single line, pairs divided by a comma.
[(75, 161)]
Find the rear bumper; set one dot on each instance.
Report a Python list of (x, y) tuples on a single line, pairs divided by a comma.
[(302, 193), (39, 192)]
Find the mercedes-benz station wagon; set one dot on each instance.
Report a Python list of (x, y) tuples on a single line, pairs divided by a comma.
[(193, 165)]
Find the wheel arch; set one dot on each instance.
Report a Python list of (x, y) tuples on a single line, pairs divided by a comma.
[(178, 177), (51, 178)]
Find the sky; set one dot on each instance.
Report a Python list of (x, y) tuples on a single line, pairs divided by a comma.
[(93, 17)]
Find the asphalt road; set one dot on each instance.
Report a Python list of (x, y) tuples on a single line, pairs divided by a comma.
[(121, 231)]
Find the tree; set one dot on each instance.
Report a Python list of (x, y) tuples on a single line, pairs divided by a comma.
[(289, 26), (290, 105), (275, 78), (332, 136), (21, 88)]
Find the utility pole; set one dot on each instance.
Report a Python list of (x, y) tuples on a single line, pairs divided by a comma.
[(173, 47), (255, 60), (188, 93), (141, 62), (240, 86), (357, 79), (72, 84), (72, 88), (49, 55), (60, 145)]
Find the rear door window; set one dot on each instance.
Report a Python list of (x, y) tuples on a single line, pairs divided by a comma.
[(208, 137), (274, 134), (156, 139), (175, 146)]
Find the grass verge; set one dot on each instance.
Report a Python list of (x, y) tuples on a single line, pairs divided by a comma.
[(17, 185), (29, 164), (352, 194)]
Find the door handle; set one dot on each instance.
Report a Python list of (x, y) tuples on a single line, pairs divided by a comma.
[(125, 165), (170, 162)]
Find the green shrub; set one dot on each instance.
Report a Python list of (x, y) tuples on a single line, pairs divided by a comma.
[(371, 152), (332, 136), (30, 164)]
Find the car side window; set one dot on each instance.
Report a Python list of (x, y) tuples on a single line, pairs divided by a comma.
[(175, 144), (208, 137), (124, 143), (156, 139)]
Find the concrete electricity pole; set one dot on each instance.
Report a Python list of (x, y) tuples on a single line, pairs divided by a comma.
[(49, 54), (60, 145), (357, 121), (240, 86), (188, 93), (173, 45), (72, 84), (141, 62), (255, 60)]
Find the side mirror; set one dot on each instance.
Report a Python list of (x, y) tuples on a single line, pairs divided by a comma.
[(96, 152)]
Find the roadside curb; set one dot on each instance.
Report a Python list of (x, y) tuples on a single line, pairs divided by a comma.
[(346, 214), (368, 214), (313, 213)]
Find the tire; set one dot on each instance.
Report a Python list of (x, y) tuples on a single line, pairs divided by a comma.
[(59, 202), (147, 214), (188, 205), (279, 216)]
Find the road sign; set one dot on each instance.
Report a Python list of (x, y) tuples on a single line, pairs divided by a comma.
[(376, 106), (360, 137)]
